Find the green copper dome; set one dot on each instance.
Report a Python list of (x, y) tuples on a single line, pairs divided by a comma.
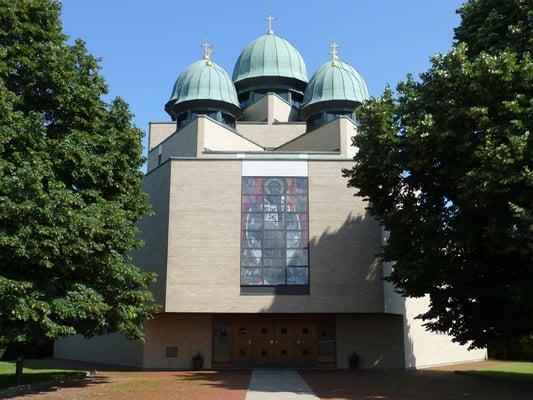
[(335, 82), (270, 55), (203, 80)]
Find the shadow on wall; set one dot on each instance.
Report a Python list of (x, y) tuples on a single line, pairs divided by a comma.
[(343, 269), (346, 276)]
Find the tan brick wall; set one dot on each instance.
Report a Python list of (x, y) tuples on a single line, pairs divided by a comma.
[(183, 143), (271, 135), (425, 349), (159, 131), (335, 135), (154, 230), (215, 137), (376, 338), (204, 244), (190, 333)]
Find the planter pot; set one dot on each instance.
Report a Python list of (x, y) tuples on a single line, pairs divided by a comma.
[(198, 361), (353, 361)]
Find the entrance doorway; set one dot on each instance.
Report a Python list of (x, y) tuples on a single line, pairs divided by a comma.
[(241, 341)]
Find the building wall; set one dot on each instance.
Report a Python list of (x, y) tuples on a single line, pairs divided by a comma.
[(333, 136), (270, 135), (281, 110), (112, 349), (191, 334), (159, 131), (270, 108), (376, 338), (425, 349), (422, 348), (204, 244), (215, 137), (153, 230), (183, 143)]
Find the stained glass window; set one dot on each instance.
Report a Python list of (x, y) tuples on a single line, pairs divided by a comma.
[(274, 231)]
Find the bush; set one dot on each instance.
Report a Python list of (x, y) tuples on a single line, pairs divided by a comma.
[(519, 349)]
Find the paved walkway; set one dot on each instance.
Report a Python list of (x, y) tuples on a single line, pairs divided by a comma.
[(271, 384)]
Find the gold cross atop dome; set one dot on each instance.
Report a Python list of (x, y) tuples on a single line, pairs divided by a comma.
[(334, 53), (208, 50), (270, 18)]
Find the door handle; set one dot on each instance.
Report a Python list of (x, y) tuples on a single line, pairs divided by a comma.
[(298, 341), (271, 341), (249, 342)]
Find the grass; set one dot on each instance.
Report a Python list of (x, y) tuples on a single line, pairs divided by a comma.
[(31, 373), (513, 371)]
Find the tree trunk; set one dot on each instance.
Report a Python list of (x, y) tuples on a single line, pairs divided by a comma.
[(18, 370)]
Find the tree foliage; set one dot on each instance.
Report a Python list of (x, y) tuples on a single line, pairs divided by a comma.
[(446, 164), (70, 191)]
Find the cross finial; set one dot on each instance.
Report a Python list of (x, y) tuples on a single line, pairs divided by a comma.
[(208, 50), (270, 18), (334, 53)]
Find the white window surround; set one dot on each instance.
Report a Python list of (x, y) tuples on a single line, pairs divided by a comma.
[(274, 168)]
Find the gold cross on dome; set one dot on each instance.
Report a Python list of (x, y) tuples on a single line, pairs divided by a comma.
[(208, 50), (270, 18), (334, 53)]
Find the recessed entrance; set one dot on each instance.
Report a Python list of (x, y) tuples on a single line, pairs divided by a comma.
[(240, 341)]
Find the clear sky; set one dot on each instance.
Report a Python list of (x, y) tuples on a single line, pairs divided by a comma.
[(144, 45)]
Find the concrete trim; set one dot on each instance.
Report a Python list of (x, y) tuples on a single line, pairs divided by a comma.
[(274, 168)]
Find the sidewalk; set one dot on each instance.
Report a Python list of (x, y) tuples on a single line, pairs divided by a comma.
[(278, 385)]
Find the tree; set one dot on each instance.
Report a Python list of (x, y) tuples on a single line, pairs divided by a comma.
[(70, 191), (446, 164)]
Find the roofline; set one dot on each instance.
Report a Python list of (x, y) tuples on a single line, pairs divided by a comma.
[(196, 118)]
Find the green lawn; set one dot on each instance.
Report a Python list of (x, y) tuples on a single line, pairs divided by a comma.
[(32, 373), (513, 371)]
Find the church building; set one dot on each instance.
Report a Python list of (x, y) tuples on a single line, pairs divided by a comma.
[(264, 257)]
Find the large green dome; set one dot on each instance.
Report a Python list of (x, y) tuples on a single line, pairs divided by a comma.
[(202, 81), (270, 55), (337, 81)]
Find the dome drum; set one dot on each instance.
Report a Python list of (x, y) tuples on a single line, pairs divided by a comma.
[(331, 106), (175, 109), (251, 89)]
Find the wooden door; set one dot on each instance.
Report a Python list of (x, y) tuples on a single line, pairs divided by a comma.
[(284, 341), (306, 342), (326, 342), (263, 342), (243, 332)]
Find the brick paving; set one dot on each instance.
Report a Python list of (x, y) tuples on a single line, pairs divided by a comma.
[(187, 385), (431, 384)]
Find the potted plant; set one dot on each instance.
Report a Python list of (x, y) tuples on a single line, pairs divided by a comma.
[(353, 361), (197, 361)]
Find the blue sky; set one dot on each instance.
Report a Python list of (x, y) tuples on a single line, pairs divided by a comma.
[(145, 44)]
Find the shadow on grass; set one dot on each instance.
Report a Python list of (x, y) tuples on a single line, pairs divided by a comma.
[(502, 376), (412, 385), (51, 383), (8, 380)]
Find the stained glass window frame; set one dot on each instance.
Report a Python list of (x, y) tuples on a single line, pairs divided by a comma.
[(271, 230)]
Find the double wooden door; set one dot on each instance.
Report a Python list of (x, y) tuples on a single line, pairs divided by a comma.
[(280, 342)]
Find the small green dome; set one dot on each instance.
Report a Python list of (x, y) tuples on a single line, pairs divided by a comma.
[(334, 82), (270, 55), (204, 80)]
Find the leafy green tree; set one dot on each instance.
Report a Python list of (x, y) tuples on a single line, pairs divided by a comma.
[(70, 191), (446, 164)]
